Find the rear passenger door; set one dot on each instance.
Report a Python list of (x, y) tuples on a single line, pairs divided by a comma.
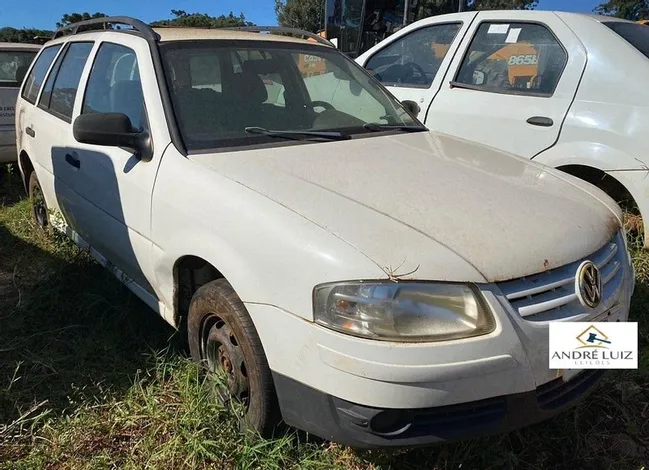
[(512, 82), (50, 126)]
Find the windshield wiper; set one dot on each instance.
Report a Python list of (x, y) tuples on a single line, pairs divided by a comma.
[(299, 135), (376, 127)]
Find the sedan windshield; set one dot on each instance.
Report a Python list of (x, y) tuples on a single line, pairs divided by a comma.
[(241, 93)]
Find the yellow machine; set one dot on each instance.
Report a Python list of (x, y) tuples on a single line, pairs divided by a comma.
[(645, 22), (522, 61)]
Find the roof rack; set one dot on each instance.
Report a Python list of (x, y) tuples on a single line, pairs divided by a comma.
[(282, 29), (144, 29)]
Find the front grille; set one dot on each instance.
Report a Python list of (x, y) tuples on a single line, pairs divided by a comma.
[(558, 393), (551, 295)]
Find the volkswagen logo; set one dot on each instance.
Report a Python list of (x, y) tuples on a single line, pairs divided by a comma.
[(588, 284)]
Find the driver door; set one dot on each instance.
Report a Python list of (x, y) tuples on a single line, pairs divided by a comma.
[(412, 62)]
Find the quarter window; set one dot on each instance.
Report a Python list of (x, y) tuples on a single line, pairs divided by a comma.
[(414, 60), (114, 85), (64, 82), (513, 57), (37, 75)]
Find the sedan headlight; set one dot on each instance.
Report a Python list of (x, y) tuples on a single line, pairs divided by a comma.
[(403, 311)]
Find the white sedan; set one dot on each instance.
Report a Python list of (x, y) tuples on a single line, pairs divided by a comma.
[(568, 90)]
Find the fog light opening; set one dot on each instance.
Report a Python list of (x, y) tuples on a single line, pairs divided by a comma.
[(391, 422)]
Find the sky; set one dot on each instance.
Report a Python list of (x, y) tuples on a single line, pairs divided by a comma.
[(43, 14)]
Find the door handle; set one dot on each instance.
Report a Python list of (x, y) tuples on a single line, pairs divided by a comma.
[(72, 160), (30, 132), (541, 121)]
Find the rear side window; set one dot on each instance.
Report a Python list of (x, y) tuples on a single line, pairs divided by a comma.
[(37, 75), (13, 67), (62, 84), (114, 85), (636, 34), (521, 58)]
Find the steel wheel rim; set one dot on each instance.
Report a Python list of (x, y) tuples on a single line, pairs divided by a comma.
[(222, 355)]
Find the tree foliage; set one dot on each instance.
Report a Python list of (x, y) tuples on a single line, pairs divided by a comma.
[(303, 14), (633, 10), (439, 7), (309, 14), (24, 35), (70, 18), (202, 20)]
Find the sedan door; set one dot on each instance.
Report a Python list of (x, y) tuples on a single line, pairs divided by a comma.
[(412, 62), (512, 83)]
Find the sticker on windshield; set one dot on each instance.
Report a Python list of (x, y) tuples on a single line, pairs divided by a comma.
[(512, 37), (498, 29)]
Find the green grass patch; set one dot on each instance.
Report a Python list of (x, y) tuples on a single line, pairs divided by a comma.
[(91, 378)]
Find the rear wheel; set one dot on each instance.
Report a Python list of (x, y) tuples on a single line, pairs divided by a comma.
[(39, 207), (224, 340)]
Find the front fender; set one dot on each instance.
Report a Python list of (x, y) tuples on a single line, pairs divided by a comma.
[(268, 253)]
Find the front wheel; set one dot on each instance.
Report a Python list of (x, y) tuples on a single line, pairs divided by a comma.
[(224, 340)]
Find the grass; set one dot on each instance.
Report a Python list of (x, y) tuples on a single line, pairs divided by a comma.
[(90, 378)]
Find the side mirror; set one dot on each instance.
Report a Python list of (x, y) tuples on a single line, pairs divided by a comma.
[(112, 130), (412, 107)]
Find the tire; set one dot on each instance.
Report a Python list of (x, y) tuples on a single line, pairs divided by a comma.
[(223, 339), (40, 215)]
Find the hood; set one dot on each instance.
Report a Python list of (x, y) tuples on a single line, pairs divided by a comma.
[(407, 200)]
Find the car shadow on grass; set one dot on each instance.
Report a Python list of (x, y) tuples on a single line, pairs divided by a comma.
[(69, 331)]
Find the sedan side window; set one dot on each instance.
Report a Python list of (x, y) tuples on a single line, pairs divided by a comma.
[(114, 85), (513, 58), (414, 59)]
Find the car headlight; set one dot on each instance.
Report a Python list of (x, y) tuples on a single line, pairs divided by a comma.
[(403, 311)]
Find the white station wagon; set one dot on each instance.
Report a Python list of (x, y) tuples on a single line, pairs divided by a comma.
[(564, 89), (346, 270)]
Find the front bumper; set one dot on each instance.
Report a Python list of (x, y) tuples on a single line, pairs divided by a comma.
[(366, 427), (336, 386)]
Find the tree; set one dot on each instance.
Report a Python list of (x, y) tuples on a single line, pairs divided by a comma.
[(70, 18), (633, 10), (439, 7), (309, 14), (24, 35), (202, 20), (303, 14)]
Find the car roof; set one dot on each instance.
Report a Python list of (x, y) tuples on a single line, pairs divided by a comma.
[(194, 34), (19, 45), (530, 13), (592, 16)]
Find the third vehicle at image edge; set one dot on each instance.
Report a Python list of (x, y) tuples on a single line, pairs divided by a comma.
[(350, 272)]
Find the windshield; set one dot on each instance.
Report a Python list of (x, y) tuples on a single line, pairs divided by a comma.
[(220, 88), (636, 34), (13, 67)]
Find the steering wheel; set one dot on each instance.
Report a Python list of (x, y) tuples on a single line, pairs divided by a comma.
[(414, 68), (322, 104)]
